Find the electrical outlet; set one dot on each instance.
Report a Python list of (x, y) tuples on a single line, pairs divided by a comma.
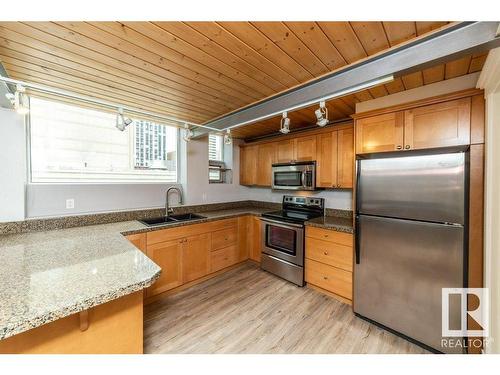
[(70, 203)]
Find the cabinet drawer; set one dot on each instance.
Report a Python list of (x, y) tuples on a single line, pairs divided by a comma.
[(223, 238), (223, 258), (329, 278), (331, 253), (330, 235), (223, 224)]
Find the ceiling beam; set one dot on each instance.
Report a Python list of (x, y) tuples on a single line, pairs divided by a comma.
[(448, 44)]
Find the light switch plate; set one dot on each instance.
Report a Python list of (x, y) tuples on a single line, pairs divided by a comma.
[(70, 203)]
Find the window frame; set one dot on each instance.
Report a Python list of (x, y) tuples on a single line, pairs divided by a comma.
[(138, 181)]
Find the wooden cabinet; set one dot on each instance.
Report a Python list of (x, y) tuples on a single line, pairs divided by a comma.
[(244, 237), (256, 246), (195, 257), (380, 133), (248, 165), (168, 256), (438, 125), (305, 148), (329, 261), (224, 237), (265, 158), (138, 240), (427, 126), (222, 258), (285, 151), (335, 159)]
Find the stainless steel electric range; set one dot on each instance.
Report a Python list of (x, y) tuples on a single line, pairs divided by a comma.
[(283, 236)]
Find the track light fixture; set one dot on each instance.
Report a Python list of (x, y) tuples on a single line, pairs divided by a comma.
[(285, 123), (21, 100), (121, 121), (188, 133), (227, 137), (321, 114)]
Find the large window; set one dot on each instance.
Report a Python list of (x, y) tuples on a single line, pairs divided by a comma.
[(75, 144)]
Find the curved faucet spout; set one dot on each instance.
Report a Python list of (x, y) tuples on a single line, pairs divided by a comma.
[(169, 210)]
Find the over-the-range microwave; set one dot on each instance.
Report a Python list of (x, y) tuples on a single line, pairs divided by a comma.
[(294, 176)]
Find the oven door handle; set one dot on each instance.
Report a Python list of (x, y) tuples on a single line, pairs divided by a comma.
[(281, 223), (303, 179)]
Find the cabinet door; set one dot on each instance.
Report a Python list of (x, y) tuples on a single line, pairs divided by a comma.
[(305, 148), (138, 240), (244, 236), (345, 158), (248, 165), (168, 256), (438, 125), (326, 173), (284, 151), (379, 133), (195, 257), (265, 158), (256, 249)]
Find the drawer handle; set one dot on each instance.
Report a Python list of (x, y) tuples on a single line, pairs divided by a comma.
[(225, 238), (325, 277), (326, 235), (325, 252), (407, 147), (399, 147)]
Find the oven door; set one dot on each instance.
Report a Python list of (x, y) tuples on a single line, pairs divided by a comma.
[(283, 240)]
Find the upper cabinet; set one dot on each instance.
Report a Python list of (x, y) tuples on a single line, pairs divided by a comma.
[(305, 148), (335, 159), (265, 159), (438, 125), (248, 165), (331, 148), (431, 126), (380, 133)]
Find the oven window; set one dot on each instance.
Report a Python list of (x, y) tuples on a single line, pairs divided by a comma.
[(282, 239), (292, 178)]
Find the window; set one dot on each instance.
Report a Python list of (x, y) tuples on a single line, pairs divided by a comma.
[(215, 158), (75, 144)]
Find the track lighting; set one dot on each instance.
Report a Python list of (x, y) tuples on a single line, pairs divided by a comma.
[(227, 137), (121, 121), (21, 100), (188, 133), (321, 114), (285, 123)]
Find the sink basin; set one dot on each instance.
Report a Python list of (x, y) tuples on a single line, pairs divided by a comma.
[(170, 219)]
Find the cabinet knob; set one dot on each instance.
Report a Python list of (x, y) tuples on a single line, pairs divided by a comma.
[(399, 147), (407, 147), (325, 277), (326, 235), (325, 252)]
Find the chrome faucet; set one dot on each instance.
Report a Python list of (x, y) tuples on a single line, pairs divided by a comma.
[(169, 210)]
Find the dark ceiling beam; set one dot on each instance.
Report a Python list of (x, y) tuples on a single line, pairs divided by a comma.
[(448, 44)]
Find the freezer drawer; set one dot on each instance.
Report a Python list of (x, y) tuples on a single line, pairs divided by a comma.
[(401, 268), (426, 187)]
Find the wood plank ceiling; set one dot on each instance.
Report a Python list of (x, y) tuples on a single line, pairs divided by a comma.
[(201, 70)]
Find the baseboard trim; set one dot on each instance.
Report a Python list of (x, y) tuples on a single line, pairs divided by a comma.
[(330, 294)]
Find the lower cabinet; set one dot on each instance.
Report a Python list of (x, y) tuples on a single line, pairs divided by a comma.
[(168, 256), (195, 257), (329, 261), (191, 252)]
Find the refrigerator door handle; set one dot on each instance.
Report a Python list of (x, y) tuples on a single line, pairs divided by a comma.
[(356, 242)]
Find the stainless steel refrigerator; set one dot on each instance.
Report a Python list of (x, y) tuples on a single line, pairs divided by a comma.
[(410, 241)]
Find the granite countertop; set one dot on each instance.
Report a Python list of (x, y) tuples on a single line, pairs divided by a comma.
[(45, 276), (48, 275), (340, 224)]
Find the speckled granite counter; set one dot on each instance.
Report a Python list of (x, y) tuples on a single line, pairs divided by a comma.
[(45, 276), (340, 224)]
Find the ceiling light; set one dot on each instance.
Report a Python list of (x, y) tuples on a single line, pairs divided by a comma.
[(21, 100), (321, 114), (188, 133), (227, 137), (121, 121), (285, 123)]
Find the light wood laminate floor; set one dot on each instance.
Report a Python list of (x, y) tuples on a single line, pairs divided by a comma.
[(247, 310)]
